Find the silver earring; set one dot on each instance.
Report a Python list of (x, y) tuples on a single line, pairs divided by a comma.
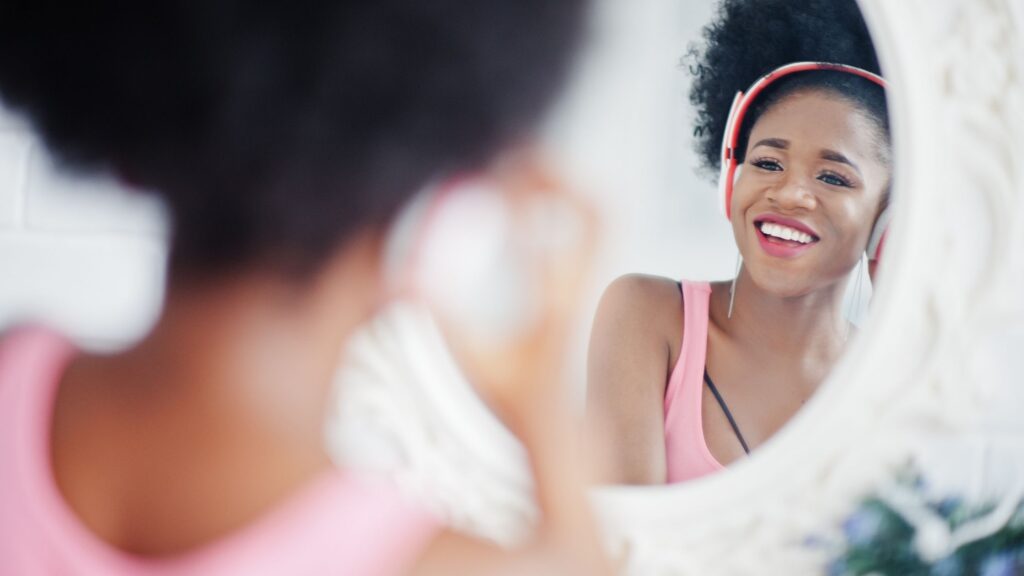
[(855, 303), (732, 288)]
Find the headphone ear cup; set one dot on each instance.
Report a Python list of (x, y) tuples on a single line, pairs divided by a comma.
[(876, 242), (732, 185), (727, 176), (725, 186), (726, 183)]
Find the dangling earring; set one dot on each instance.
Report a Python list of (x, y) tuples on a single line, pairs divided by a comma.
[(855, 302), (732, 288)]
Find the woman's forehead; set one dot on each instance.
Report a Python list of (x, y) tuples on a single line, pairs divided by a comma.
[(814, 120)]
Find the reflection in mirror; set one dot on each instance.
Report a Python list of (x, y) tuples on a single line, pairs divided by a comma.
[(686, 376)]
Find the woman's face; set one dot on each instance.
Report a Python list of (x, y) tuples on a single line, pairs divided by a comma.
[(808, 194)]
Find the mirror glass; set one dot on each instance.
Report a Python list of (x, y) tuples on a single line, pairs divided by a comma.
[(733, 290)]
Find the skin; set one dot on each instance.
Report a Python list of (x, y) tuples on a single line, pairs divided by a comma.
[(787, 328), (216, 416), (207, 392)]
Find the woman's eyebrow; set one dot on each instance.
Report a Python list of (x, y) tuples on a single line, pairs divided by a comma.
[(834, 156), (772, 143)]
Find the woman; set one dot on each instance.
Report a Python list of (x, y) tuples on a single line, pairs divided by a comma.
[(283, 138), (687, 377)]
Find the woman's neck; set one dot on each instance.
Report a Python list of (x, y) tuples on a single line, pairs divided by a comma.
[(260, 347), (220, 408), (250, 350), (810, 328)]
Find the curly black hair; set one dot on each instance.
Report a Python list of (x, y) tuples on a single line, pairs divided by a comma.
[(275, 130), (749, 38)]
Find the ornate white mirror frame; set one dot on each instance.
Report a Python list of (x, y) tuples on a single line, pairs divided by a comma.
[(920, 375)]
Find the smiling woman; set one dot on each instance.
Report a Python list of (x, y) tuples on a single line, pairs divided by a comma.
[(688, 377), (802, 201)]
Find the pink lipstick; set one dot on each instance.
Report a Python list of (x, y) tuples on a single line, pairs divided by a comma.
[(784, 237)]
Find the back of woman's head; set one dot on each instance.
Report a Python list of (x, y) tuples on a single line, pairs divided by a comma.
[(749, 38), (276, 130)]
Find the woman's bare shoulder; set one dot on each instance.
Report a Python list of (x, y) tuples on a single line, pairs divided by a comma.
[(642, 297), (650, 302), (632, 347)]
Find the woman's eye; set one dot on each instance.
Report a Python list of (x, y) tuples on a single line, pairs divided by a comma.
[(771, 165), (834, 180)]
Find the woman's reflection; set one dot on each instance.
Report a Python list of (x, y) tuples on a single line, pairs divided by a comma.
[(687, 377)]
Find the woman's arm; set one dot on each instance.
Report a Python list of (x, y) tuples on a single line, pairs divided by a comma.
[(627, 370)]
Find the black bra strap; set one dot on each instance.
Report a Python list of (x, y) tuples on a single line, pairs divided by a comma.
[(721, 402), (679, 284)]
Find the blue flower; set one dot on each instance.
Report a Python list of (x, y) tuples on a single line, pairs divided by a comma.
[(863, 526), (947, 506), (819, 542), (837, 567), (1002, 564), (1017, 520), (948, 566)]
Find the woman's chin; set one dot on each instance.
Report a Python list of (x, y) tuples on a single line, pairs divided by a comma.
[(793, 282), (780, 283)]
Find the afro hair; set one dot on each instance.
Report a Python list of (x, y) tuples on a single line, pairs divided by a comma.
[(749, 38), (275, 130)]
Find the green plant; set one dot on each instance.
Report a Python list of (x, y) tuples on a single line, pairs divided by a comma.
[(902, 531)]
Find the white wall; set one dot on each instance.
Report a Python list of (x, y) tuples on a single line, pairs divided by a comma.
[(625, 132)]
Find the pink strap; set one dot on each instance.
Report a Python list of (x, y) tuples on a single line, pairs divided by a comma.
[(686, 452)]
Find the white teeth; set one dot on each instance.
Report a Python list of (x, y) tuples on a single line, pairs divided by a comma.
[(785, 233)]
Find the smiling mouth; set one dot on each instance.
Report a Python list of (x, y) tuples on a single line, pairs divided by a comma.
[(785, 235)]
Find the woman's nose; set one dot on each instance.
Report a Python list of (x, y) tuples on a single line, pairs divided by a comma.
[(794, 192)]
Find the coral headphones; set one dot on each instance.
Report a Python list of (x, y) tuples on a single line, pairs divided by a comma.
[(730, 142)]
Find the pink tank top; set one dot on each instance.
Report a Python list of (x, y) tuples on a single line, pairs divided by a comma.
[(337, 524), (686, 453)]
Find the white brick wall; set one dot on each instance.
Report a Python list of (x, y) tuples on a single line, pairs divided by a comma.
[(83, 254)]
